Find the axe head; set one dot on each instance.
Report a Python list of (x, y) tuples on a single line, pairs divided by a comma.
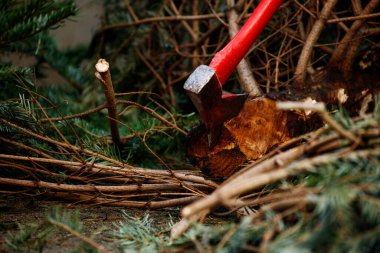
[(205, 91)]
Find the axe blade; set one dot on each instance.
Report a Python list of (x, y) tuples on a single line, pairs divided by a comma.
[(204, 89)]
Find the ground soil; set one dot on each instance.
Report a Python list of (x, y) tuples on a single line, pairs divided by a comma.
[(97, 220)]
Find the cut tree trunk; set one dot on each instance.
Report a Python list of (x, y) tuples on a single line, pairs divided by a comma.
[(259, 127)]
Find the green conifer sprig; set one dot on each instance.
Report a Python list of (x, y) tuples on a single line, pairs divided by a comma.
[(30, 237), (139, 234), (11, 77), (33, 236), (14, 112), (23, 19)]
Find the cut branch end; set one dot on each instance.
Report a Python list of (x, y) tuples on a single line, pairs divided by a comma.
[(102, 66), (104, 76)]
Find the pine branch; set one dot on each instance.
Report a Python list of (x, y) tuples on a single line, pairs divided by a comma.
[(22, 20), (85, 239)]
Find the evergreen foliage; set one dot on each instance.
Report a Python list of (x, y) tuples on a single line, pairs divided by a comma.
[(22, 29), (23, 19), (344, 216), (34, 236), (82, 90), (342, 210), (14, 111), (139, 235), (30, 237)]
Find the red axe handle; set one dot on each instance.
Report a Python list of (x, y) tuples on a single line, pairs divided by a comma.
[(226, 60)]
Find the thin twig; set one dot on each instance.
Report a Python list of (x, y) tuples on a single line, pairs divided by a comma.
[(159, 19), (304, 59), (216, 14), (184, 23), (154, 114), (248, 83), (95, 200), (84, 238), (90, 188), (246, 184), (321, 109), (357, 6), (340, 51), (367, 16), (151, 68), (77, 115), (131, 11), (125, 169), (34, 97)]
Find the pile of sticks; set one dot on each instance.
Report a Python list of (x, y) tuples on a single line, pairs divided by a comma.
[(245, 191), (87, 176)]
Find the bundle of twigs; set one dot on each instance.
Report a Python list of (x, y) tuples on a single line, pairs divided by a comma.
[(86, 176), (246, 191), (106, 181), (96, 183), (95, 178), (308, 44)]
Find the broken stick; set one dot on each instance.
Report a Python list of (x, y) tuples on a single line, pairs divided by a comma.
[(103, 75)]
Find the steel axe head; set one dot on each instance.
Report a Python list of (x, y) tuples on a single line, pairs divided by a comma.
[(205, 91)]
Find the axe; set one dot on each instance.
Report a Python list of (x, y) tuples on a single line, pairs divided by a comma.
[(204, 85)]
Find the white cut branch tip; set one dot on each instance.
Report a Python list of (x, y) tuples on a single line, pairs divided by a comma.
[(307, 105), (186, 212), (179, 229), (342, 96), (102, 66), (97, 75)]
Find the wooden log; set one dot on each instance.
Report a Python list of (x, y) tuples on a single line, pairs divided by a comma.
[(259, 127)]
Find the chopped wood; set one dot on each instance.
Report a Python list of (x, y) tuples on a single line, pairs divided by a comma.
[(258, 128)]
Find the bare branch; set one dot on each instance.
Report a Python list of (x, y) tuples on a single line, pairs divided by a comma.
[(248, 82), (237, 187), (87, 240), (340, 52), (372, 15), (304, 59), (104, 76)]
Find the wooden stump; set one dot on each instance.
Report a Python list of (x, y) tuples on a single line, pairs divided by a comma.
[(259, 127)]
